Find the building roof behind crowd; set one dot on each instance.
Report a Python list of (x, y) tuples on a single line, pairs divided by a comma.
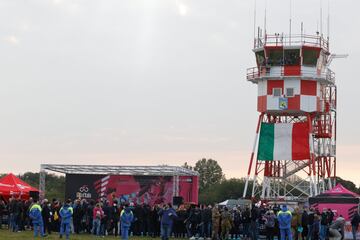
[(160, 170)]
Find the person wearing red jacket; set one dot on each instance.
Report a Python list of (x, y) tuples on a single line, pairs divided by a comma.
[(98, 214)]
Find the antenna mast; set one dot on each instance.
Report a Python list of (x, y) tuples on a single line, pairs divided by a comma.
[(290, 23), (321, 18), (265, 17), (255, 23), (328, 21)]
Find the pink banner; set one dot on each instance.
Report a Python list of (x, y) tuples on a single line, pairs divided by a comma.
[(346, 210), (147, 189)]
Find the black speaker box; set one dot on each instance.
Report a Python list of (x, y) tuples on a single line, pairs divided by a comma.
[(178, 201)]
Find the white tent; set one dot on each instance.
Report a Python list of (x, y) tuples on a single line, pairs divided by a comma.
[(235, 202)]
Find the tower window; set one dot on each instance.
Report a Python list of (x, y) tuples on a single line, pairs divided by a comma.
[(292, 57), (277, 92), (260, 57), (310, 57), (276, 57), (289, 92)]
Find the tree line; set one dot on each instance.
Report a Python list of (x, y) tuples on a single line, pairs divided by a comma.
[(213, 186)]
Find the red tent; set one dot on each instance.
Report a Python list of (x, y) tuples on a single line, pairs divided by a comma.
[(12, 185)]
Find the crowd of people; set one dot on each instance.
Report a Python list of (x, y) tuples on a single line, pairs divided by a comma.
[(104, 218)]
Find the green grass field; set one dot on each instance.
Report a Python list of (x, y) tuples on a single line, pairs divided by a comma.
[(6, 234)]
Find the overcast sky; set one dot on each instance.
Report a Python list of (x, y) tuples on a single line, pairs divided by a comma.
[(151, 81)]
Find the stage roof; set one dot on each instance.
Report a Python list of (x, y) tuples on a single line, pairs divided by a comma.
[(160, 170)]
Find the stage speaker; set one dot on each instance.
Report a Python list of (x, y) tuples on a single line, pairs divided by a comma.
[(177, 201), (34, 195)]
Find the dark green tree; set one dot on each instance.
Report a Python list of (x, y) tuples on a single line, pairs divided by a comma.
[(210, 173), (348, 184), (228, 189)]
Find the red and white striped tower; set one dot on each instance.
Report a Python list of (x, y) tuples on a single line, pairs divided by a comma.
[(293, 155)]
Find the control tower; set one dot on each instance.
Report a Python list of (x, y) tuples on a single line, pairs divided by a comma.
[(294, 153)]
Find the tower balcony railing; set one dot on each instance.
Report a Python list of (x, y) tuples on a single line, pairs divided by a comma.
[(292, 40), (255, 73)]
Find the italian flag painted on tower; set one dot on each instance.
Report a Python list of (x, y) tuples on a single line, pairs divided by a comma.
[(284, 141)]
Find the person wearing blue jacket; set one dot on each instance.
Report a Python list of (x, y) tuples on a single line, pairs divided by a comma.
[(66, 213), (126, 218), (284, 218), (167, 214), (37, 220)]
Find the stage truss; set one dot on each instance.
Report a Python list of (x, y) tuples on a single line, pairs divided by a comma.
[(160, 170)]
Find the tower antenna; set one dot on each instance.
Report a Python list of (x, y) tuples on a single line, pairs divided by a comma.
[(328, 21), (254, 23), (290, 22), (265, 17), (321, 18)]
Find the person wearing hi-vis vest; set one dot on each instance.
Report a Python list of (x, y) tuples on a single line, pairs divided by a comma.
[(66, 213), (284, 218), (37, 220), (126, 218)]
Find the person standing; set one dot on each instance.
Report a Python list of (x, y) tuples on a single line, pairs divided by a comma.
[(284, 218), (98, 214), (14, 210), (215, 216), (66, 213), (254, 222), (324, 222), (2, 209), (236, 223), (77, 216), (206, 222), (37, 220), (126, 218), (46, 215), (270, 224), (245, 218), (304, 224), (311, 218), (226, 223), (114, 217), (355, 220), (296, 223), (167, 214)]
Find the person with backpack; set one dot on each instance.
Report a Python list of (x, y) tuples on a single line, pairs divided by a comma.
[(37, 220), (66, 213), (126, 218)]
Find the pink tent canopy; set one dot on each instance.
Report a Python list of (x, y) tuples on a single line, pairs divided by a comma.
[(339, 199), (340, 190)]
